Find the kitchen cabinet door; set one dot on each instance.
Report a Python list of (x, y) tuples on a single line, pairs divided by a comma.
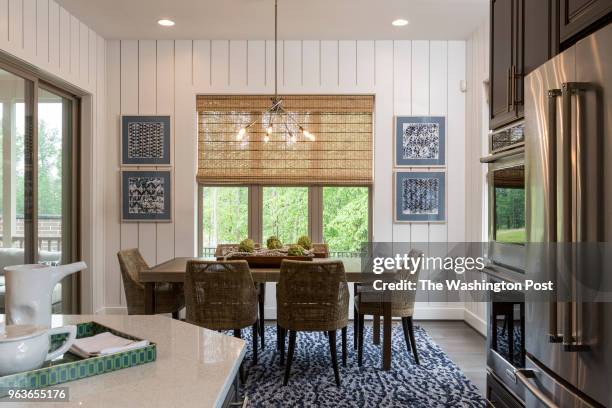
[(503, 45), (578, 15)]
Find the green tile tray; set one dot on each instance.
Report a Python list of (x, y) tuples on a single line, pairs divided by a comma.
[(72, 367)]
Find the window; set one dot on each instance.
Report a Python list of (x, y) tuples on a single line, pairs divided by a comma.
[(319, 188), (224, 216), (285, 213), (345, 218), (338, 216)]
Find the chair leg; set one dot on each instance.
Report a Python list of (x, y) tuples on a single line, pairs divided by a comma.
[(175, 315), (344, 346), (360, 341), (406, 331), (255, 343), (355, 326), (282, 346), (238, 333), (292, 335), (277, 336), (412, 341), (262, 298), (334, 355)]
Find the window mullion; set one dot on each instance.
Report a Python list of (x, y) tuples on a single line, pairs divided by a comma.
[(315, 213), (255, 213)]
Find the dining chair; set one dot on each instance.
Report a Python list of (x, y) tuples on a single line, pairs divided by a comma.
[(368, 302), (312, 296), (220, 295), (169, 297)]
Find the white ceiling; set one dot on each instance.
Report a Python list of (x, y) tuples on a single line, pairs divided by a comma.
[(298, 19)]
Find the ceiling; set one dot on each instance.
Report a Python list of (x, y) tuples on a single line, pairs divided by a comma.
[(298, 19)]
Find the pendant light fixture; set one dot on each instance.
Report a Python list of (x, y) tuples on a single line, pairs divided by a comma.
[(276, 119)]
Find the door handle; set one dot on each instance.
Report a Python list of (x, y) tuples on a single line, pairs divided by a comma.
[(573, 230), (509, 90), (551, 232), (524, 376)]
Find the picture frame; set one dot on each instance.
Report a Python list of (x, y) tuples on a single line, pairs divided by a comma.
[(146, 140), (420, 141), (419, 197), (146, 195)]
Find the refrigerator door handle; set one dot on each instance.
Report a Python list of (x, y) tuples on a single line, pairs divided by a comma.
[(551, 233), (572, 216), (524, 376)]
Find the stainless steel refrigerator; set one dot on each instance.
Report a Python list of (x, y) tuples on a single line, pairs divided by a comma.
[(568, 165)]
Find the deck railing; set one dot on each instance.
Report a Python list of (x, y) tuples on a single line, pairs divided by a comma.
[(51, 244)]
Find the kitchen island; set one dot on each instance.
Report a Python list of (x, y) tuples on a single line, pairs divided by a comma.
[(194, 367)]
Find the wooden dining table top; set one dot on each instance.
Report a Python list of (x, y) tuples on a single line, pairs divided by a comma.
[(174, 271)]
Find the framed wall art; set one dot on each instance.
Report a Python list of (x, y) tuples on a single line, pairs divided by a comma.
[(146, 195), (420, 141), (419, 196), (145, 140)]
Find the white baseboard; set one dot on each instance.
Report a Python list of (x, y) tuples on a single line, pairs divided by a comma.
[(479, 324), (420, 313)]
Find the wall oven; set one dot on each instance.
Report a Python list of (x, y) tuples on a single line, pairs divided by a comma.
[(505, 255), (506, 199)]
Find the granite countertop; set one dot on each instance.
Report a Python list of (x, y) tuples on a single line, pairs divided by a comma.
[(194, 366)]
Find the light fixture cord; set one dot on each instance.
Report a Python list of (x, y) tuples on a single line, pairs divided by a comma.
[(275, 48)]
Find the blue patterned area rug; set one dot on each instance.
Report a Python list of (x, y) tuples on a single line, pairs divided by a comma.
[(437, 382)]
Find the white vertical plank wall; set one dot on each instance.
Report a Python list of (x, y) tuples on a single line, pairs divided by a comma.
[(45, 37), (406, 78), (477, 125)]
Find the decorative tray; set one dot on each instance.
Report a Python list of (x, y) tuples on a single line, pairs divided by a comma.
[(71, 367), (224, 252)]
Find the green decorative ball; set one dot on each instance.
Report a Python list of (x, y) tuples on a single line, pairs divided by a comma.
[(295, 250), (305, 242), (274, 243), (247, 245)]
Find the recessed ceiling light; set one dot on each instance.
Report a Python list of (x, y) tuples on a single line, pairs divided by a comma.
[(166, 23), (400, 22)]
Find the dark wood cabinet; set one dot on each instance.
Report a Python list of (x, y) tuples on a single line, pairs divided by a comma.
[(521, 40), (503, 59), (577, 16)]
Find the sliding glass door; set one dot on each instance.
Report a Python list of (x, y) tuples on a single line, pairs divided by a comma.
[(55, 189), (38, 210)]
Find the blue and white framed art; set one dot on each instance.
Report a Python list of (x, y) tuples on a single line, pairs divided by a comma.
[(420, 141), (419, 196), (145, 140), (146, 195)]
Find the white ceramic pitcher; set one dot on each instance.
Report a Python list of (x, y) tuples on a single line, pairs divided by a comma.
[(29, 289)]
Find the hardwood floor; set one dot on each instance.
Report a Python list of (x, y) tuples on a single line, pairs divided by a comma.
[(464, 345)]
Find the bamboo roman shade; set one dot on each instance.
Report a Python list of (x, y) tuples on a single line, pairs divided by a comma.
[(340, 155)]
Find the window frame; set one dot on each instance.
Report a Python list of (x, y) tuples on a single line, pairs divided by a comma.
[(255, 210)]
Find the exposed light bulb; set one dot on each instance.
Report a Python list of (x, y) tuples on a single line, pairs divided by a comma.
[(240, 134), (308, 135), (293, 138), (269, 130), (266, 138)]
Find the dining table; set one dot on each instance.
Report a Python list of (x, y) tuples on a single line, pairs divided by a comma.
[(174, 270)]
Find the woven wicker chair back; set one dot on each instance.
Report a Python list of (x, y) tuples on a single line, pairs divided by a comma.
[(220, 295), (312, 296), (131, 263)]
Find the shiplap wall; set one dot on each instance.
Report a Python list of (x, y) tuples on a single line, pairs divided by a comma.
[(477, 126), (164, 77), (46, 38)]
